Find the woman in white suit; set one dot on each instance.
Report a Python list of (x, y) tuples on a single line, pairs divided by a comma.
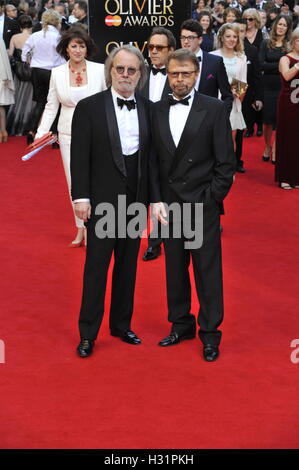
[(235, 61), (70, 83)]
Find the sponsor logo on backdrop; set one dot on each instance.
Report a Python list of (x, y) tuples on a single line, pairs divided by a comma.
[(134, 13), (137, 13)]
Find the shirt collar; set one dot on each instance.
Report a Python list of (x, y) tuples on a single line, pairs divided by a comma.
[(191, 94), (117, 95)]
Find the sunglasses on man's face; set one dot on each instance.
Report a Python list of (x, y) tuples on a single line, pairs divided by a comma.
[(151, 47), (121, 70)]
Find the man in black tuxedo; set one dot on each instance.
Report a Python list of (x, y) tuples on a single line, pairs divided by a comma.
[(8, 27), (160, 44), (212, 77), (194, 163), (80, 12), (109, 160)]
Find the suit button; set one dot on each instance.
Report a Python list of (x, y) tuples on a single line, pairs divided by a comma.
[(183, 182), (190, 160), (170, 181)]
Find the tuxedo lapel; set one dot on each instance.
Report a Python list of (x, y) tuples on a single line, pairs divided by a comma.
[(143, 130), (163, 124), (191, 129), (114, 133)]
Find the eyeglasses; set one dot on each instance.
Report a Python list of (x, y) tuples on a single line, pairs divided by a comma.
[(184, 74), (121, 70), (249, 19), (151, 47), (188, 38)]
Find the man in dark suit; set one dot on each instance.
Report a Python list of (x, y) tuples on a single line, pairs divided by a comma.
[(8, 27), (194, 163), (212, 77), (109, 160), (160, 44), (80, 12)]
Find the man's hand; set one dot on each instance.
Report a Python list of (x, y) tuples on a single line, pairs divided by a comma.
[(82, 210), (159, 212)]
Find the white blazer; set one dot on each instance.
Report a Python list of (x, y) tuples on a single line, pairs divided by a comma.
[(60, 93)]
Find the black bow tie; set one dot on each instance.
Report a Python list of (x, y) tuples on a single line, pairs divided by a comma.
[(184, 101), (130, 104), (155, 71)]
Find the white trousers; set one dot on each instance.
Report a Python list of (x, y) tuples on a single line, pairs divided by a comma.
[(65, 149)]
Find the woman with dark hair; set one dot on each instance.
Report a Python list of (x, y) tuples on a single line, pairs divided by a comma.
[(287, 161), (208, 37), (271, 51), (18, 115), (231, 14), (200, 6), (70, 83)]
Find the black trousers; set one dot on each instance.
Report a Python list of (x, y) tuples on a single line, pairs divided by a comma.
[(98, 257), (207, 267)]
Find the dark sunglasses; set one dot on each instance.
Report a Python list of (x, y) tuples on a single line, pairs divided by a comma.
[(249, 19), (151, 47)]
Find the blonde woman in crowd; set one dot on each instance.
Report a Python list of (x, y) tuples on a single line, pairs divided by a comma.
[(232, 51), (42, 46)]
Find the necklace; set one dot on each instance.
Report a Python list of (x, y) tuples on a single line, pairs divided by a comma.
[(78, 78)]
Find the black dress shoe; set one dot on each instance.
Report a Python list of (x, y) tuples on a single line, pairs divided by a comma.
[(126, 336), (55, 145), (85, 348), (210, 352), (248, 133), (175, 338), (259, 132), (240, 169), (151, 253)]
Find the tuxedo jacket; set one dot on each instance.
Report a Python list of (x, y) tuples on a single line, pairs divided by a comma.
[(213, 79), (97, 164), (166, 90), (60, 94), (10, 28), (203, 164), (254, 74)]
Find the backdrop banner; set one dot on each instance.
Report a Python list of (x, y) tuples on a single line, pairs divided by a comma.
[(113, 23)]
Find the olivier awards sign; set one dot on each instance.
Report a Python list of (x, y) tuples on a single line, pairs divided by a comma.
[(113, 23)]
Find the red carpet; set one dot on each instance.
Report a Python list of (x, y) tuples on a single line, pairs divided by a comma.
[(146, 396)]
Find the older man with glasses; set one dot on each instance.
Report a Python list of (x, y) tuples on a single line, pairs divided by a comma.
[(109, 158)]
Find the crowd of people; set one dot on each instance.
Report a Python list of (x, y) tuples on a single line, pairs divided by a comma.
[(236, 66)]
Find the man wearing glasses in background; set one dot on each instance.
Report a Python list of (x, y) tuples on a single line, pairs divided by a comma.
[(109, 158), (160, 44), (212, 77)]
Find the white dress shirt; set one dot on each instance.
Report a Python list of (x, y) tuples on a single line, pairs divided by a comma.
[(178, 115), (128, 125), (2, 17), (199, 55), (43, 45), (156, 86)]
